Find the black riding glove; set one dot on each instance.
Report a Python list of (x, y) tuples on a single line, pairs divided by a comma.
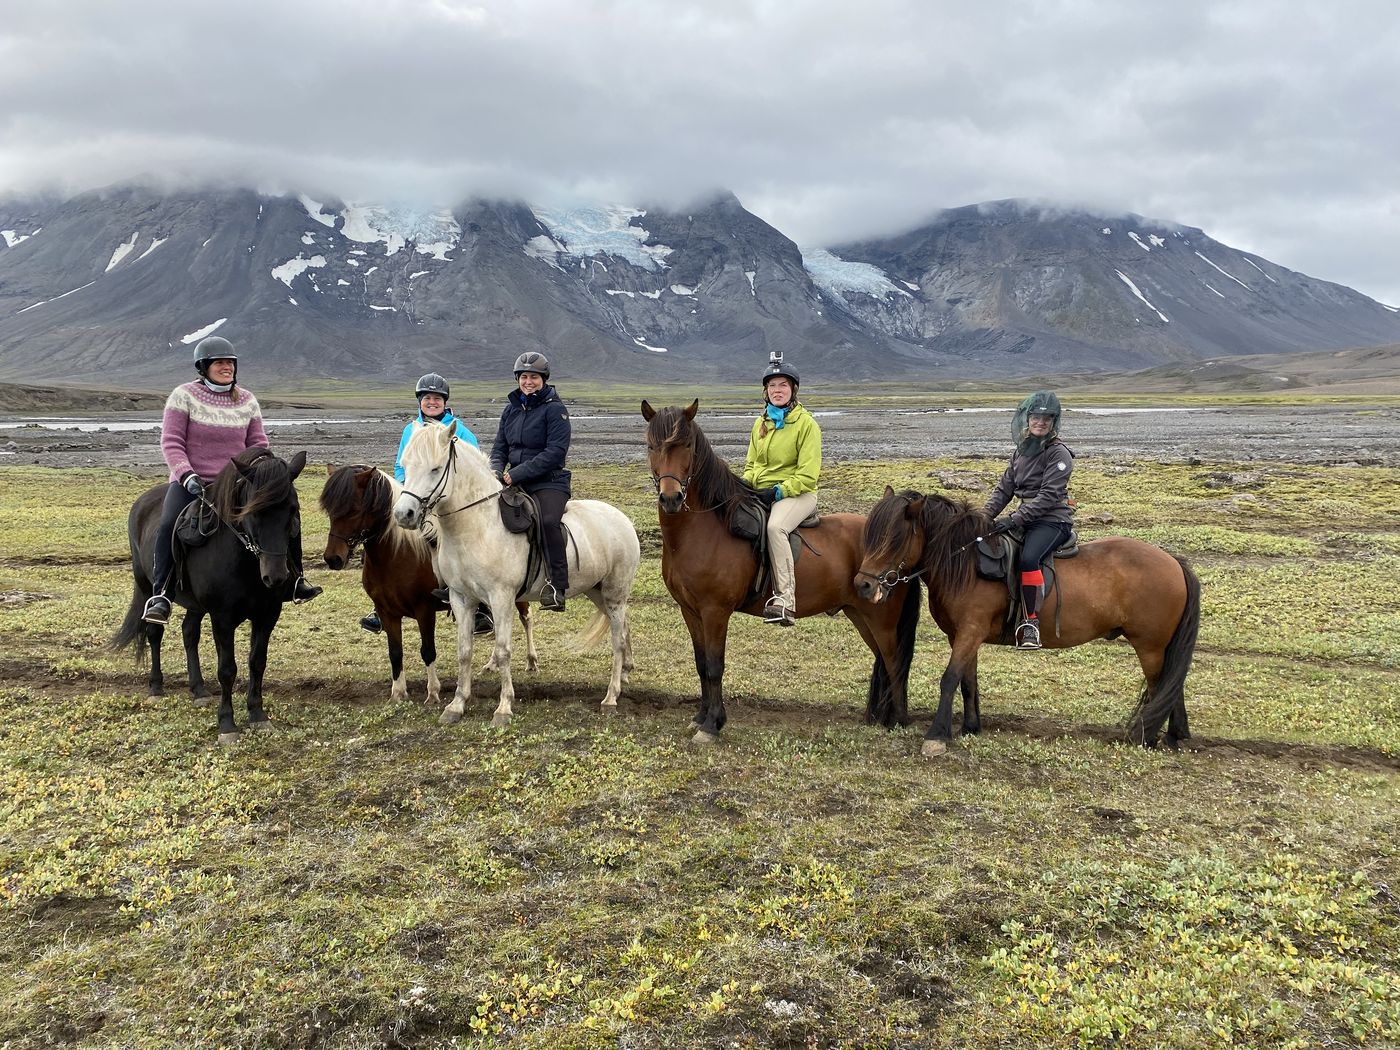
[(999, 526), (766, 497)]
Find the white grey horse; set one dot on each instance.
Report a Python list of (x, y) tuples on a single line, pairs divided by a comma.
[(480, 561)]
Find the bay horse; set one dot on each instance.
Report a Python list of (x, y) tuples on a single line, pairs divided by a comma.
[(1115, 587), (240, 573), (709, 571), (452, 482), (397, 569)]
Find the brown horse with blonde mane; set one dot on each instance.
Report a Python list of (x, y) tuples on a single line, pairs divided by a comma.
[(397, 568), (709, 571), (1115, 587)]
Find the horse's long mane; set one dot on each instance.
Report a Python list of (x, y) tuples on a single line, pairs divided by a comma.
[(950, 525), (343, 498), (713, 482), (265, 482)]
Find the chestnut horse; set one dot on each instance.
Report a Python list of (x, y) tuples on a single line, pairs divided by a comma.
[(397, 568), (1114, 587), (709, 571)]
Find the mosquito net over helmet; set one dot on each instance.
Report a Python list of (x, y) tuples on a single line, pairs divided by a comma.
[(432, 383), (1041, 403), (532, 361)]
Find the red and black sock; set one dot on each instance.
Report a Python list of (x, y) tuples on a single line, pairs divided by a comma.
[(1031, 582)]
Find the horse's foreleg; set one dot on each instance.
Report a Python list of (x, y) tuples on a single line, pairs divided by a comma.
[(617, 621), (228, 670), (940, 733), (465, 615), (500, 655), (259, 637), (527, 620), (427, 649), (189, 632), (709, 662), (398, 680)]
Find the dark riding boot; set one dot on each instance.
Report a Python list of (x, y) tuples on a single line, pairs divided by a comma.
[(443, 595), (302, 591), (177, 498), (371, 623), (483, 624), (552, 503)]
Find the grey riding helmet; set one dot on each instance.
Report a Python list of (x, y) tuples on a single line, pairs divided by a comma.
[(1041, 403), (432, 383), (213, 348), (532, 361)]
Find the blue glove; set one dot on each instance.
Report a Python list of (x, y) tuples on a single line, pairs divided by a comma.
[(777, 493), (193, 485)]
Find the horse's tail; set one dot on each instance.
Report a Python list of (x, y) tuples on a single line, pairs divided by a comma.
[(598, 628), (1168, 699), (887, 700), (133, 628)]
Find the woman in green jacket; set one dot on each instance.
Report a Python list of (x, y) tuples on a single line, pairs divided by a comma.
[(784, 459)]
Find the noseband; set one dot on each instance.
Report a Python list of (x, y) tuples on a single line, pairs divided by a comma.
[(351, 542)]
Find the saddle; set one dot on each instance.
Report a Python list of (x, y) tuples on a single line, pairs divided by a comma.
[(193, 528), (996, 560), (750, 522), (520, 514)]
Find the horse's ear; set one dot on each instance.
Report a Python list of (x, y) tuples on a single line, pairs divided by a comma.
[(915, 509), (648, 413), (330, 470), (296, 464), (694, 407), (889, 492)]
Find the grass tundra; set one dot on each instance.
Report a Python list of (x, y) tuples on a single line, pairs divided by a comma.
[(365, 877)]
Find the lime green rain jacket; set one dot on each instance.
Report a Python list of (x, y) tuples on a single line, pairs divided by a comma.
[(791, 457)]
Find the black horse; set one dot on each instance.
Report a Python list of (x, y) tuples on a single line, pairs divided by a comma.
[(240, 573)]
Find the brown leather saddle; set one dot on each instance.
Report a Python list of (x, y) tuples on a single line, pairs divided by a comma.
[(750, 522)]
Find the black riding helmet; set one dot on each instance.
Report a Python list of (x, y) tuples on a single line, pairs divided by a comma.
[(214, 348), (777, 368), (432, 383), (532, 361)]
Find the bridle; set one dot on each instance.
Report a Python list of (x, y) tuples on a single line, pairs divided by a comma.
[(684, 483), (351, 542), (891, 578), (439, 490)]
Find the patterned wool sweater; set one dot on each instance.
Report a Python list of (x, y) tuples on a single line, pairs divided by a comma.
[(203, 429)]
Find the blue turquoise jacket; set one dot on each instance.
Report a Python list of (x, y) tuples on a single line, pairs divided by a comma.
[(448, 419)]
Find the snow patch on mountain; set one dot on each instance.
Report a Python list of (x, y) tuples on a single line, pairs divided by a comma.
[(123, 250), (836, 276), (13, 237), (155, 243), (1138, 240), (200, 333), (1138, 292), (590, 230), (313, 208), (1259, 268), (433, 233), (289, 270), (1225, 272), (653, 349)]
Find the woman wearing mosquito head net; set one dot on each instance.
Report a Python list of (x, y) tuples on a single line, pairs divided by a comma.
[(1038, 475)]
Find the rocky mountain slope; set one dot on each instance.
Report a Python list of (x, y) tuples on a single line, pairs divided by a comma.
[(115, 287)]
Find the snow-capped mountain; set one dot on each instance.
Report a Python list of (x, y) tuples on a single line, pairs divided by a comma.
[(117, 285)]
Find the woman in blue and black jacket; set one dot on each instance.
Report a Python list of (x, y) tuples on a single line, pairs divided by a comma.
[(532, 445)]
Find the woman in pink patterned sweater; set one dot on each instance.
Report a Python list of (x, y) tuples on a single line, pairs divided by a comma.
[(207, 423)]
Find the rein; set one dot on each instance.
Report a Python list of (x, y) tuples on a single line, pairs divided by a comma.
[(439, 490), (891, 578), (243, 538)]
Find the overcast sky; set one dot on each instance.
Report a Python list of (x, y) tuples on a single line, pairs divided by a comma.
[(1273, 126)]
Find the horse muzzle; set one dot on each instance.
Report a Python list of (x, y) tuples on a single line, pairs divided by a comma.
[(671, 502), (273, 568), (407, 513), (333, 561)]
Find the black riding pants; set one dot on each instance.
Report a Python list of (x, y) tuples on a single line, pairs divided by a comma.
[(177, 498), (552, 503), (1041, 538)]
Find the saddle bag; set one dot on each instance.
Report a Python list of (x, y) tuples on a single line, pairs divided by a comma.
[(518, 510), (196, 523), (748, 521)]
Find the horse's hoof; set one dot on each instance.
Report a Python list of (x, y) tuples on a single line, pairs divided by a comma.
[(608, 707), (694, 723), (500, 721), (449, 718), (229, 739), (934, 749), (265, 726), (201, 701), (702, 738)]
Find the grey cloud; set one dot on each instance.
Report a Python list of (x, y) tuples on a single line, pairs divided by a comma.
[(1269, 125)]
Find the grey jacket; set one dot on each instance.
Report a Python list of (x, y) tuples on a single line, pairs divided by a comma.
[(1040, 481)]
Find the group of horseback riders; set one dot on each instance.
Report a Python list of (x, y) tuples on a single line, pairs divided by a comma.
[(210, 420)]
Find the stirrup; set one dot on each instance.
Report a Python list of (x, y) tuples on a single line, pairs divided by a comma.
[(303, 592), (776, 611), (157, 610), (553, 599), (1028, 635), (372, 623)]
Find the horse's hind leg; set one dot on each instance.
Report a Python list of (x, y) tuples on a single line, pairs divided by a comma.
[(527, 620), (616, 612), (155, 683), (963, 656), (972, 705), (189, 632), (1145, 728)]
